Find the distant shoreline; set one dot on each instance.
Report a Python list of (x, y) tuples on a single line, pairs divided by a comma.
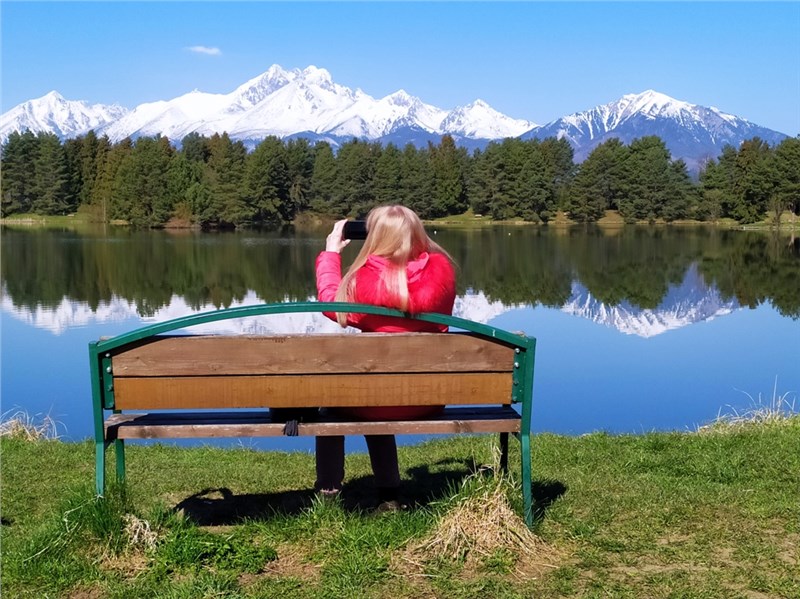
[(612, 219)]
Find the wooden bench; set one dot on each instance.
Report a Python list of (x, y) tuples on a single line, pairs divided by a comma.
[(147, 384)]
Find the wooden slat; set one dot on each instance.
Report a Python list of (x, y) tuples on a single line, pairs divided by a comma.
[(222, 392), (300, 354), (257, 424)]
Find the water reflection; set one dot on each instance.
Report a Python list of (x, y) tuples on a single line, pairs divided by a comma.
[(610, 309), (661, 278)]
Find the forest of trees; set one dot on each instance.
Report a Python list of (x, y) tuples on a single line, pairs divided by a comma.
[(215, 182)]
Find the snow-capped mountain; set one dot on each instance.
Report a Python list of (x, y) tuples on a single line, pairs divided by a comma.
[(53, 114), (691, 132), (285, 103), (308, 103), (478, 120)]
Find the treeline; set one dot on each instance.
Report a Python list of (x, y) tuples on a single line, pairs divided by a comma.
[(215, 182)]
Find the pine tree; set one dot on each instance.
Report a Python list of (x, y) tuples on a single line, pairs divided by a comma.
[(416, 180), (142, 196), (647, 179), (323, 179), (267, 183), (224, 176), (106, 185), (51, 176), (300, 167), (17, 172), (599, 182), (388, 176), (787, 167), (449, 180), (754, 180)]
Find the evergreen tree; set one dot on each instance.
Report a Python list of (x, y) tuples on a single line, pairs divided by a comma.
[(323, 179), (560, 162), (680, 193), (17, 172), (51, 182), (416, 180), (195, 147), (142, 197), (224, 177), (648, 174), (356, 163), (754, 180), (449, 180), (787, 167), (599, 182), (182, 176), (300, 168), (267, 182), (533, 192), (106, 185), (388, 177)]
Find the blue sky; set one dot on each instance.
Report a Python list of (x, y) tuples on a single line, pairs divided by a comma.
[(530, 60)]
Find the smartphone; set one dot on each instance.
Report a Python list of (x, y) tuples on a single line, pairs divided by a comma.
[(355, 229)]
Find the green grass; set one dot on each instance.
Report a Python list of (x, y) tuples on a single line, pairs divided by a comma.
[(708, 514)]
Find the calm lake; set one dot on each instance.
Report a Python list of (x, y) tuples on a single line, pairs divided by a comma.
[(638, 328)]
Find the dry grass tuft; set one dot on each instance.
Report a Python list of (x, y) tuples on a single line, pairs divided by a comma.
[(21, 425), (139, 533), (779, 409), (477, 529)]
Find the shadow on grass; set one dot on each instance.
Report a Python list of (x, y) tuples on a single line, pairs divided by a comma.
[(545, 493), (221, 506), (421, 486)]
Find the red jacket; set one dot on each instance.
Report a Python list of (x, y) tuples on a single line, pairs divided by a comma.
[(431, 288)]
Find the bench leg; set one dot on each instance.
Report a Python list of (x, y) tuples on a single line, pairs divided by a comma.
[(100, 467), (504, 453), (527, 498), (119, 451)]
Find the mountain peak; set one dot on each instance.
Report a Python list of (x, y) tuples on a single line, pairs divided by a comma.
[(316, 74)]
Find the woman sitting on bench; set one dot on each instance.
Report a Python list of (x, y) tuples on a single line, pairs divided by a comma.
[(399, 267)]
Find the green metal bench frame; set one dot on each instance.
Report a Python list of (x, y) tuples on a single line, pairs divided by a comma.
[(102, 377)]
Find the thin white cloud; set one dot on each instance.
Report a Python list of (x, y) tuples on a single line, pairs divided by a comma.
[(210, 51)]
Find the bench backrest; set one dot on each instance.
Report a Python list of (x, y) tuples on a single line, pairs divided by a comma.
[(146, 369), (368, 369)]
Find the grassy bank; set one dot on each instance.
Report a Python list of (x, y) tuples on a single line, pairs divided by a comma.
[(612, 219), (709, 514)]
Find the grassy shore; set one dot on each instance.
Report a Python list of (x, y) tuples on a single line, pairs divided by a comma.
[(612, 219), (713, 513)]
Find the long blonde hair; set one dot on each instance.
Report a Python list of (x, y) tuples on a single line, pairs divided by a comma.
[(395, 233)]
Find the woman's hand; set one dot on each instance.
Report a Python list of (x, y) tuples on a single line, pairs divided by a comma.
[(335, 242)]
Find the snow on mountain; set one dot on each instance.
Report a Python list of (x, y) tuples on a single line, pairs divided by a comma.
[(53, 114), (478, 120), (284, 103), (174, 118), (691, 132), (371, 118), (308, 103), (308, 100)]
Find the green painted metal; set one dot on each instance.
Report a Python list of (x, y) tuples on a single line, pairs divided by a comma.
[(527, 365), (483, 330), (102, 377)]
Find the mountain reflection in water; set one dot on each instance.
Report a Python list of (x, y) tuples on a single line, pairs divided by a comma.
[(61, 289)]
